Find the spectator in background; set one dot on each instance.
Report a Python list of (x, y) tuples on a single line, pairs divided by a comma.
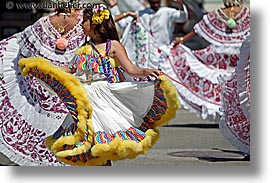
[(152, 31), (121, 18)]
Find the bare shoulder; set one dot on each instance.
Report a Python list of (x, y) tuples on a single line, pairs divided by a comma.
[(116, 48), (116, 43)]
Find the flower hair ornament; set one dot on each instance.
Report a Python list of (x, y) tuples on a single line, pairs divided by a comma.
[(100, 13)]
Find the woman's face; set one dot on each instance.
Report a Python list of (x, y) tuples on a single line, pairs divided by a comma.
[(86, 24)]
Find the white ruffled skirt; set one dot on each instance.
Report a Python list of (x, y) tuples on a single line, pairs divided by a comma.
[(235, 95), (117, 106), (28, 113), (199, 69)]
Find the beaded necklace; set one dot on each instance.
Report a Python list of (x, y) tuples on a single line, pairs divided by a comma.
[(98, 63), (113, 74)]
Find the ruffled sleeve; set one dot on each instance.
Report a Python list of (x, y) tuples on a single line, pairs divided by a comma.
[(213, 28), (40, 38)]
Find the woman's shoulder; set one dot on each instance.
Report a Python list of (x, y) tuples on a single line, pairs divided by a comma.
[(116, 44)]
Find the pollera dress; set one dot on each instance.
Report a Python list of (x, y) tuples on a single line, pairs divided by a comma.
[(235, 95), (194, 68), (112, 116), (28, 112), (201, 68)]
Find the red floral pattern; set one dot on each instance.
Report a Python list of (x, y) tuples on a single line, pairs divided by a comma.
[(18, 138), (207, 90), (235, 121), (234, 117), (16, 133)]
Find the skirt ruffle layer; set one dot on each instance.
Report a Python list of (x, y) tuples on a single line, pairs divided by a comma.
[(235, 95), (28, 113)]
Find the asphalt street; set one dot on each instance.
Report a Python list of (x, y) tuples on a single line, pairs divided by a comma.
[(189, 141)]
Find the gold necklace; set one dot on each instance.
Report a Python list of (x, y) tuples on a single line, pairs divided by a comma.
[(60, 29)]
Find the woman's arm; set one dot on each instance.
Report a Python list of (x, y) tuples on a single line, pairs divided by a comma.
[(188, 36), (119, 52), (180, 4), (126, 14)]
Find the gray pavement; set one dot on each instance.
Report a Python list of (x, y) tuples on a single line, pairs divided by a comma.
[(186, 141), (189, 141)]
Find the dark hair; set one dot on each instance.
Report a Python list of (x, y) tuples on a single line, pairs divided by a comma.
[(65, 7), (149, 1), (66, 11), (107, 29), (230, 3)]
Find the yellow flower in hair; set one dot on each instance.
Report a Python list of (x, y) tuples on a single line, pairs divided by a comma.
[(100, 13)]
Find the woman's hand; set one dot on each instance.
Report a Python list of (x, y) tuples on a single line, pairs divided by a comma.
[(67, 69), (126, 14), (133, 14), (151, 72), (177, 40), (130, 13), (185, 38)]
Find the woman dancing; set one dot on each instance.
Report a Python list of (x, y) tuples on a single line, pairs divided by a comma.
[(112, 117), (28, 112)]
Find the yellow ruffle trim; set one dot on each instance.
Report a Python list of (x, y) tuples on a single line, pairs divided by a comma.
[(118, 149), (84, 108), (172, 98)]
